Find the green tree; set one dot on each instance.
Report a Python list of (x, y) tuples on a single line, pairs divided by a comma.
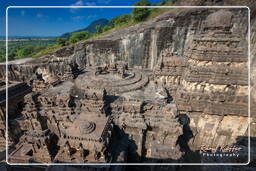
[(106, 28), (120, 20), (2, 59), (62, 41), (11, 55), (98, 29), (140, 14), (77, 36), (25, 52)]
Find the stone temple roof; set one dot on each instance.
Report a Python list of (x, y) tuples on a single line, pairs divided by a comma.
[(62, 89)]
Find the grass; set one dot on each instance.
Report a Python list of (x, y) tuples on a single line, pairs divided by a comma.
[(118, 27), (47, 50)]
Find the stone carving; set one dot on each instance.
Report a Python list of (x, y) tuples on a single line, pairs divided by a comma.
[(87, 128), (16, 91), (212, 67), (114, 113)]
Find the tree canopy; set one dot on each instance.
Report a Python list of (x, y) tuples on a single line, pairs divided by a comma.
[(62, 41), (122, 19), (77, 36), (140, 14)]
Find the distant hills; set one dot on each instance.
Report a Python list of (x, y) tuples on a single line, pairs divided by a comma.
[(90, 28), (27, 37)]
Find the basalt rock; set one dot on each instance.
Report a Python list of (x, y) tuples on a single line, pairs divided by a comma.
[(153, 92), (16, 92)]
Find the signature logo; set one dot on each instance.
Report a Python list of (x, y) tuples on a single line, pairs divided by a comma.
[(220, 151)]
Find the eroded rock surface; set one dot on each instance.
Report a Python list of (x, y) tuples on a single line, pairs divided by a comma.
[(154, 92)]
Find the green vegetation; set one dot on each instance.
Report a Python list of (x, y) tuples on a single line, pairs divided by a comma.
[(99, 29), (24, 48), (78, 36), (37, 48), (140, 14), (120, 20), (62, 41), (106, 28), (50, 49)]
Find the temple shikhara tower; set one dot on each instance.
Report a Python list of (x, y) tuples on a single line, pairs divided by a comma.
[(216, 79), (97, 101)]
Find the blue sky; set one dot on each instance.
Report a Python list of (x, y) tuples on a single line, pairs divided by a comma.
[(56, 21)]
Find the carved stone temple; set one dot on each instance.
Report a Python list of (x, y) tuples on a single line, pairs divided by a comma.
[(98, 102)]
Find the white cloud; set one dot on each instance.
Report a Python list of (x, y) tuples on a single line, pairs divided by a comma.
[(81, 3), (22, 13), (78, 3)]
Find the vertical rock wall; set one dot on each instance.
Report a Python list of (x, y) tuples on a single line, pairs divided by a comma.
[(142, 45)]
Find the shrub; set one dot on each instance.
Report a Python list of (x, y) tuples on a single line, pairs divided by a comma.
[(98, 29), (140, 14), (77, 36), (62, 41), (120, 20), (106, 28), (25, 52)]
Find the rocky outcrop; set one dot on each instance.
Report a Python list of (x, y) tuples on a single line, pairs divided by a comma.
[(199, 61)]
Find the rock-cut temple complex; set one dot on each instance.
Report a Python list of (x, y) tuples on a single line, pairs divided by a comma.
[(114, 112)]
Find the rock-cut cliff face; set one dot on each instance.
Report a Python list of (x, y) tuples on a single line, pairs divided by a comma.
[(140, 45), (200, 74)]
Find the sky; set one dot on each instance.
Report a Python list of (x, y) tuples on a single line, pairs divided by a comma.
[(56, 21)]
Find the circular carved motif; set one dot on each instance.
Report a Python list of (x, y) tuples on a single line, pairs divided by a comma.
[(87, 127)]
